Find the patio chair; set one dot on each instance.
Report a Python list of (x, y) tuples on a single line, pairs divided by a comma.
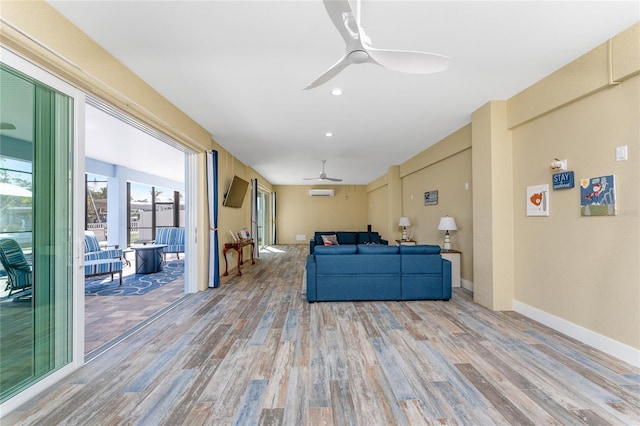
[(19, 273), (93, 251), (173, 238)]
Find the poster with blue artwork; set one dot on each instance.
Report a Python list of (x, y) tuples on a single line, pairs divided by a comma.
[(598, 196)]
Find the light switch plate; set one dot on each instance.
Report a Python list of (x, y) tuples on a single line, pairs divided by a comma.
[(621, 153)]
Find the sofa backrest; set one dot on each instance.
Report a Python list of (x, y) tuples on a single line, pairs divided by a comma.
[(420, 249), (377, 249), (334, 250)]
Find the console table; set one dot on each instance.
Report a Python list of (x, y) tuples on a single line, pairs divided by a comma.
[(238, 246)]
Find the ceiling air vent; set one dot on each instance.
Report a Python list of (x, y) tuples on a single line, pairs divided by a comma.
[(321, 192)]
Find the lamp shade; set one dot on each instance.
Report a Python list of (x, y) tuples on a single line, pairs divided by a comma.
[(404, 221), (447, 224)]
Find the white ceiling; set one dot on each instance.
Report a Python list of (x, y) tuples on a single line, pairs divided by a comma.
[(113, 141), (238, 68)]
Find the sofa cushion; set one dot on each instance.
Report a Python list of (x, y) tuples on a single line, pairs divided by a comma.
[(318, 236), (329, 240), (376, 249), (347, 237), (420, 249), (334, 250)]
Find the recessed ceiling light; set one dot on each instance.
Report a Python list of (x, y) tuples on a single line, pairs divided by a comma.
[(328, 134), (336, 92)]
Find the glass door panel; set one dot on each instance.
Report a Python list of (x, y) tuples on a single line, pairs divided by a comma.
[(35, 231)]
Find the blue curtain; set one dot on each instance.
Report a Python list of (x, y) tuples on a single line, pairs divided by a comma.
[(212, 193), (254, 216)]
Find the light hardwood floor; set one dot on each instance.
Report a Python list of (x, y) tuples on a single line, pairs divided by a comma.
[(255, 352)]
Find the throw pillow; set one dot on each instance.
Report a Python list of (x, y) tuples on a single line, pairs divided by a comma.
[(330, 240)]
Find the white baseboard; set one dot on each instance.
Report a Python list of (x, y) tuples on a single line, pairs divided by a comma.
[(605, 344), (466, 284)]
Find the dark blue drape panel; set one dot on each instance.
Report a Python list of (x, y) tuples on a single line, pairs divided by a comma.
[(212, 192), (254, 216)]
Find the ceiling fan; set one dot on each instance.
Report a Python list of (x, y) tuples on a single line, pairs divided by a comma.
[(359, 50), (323, 175)]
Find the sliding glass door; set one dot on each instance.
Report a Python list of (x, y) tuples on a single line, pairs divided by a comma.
[(36, 268)]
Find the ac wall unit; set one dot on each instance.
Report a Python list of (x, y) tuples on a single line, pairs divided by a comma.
[(321, 192)]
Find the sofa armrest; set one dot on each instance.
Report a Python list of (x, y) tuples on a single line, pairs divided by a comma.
[(312, 293), (384, 242), (446, 279), (312, 245)]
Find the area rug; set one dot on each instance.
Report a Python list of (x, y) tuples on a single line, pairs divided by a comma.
[(134, 284)]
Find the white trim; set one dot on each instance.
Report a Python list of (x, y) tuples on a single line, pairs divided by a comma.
[(605, 344), (191, 222)]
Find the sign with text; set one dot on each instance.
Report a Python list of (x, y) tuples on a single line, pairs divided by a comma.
[(563, 180)]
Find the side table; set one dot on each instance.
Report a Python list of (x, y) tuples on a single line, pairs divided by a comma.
[(453, 256), (238, 247), (149, 258), (406, 243)]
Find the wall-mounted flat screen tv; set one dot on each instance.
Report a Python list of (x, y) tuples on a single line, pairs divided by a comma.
[(235, 195)]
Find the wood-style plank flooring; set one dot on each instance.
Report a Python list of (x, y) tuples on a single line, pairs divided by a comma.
[(255, 352)]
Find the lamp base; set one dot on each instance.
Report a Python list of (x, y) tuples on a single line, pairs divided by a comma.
[(447, 241), (404, 233)]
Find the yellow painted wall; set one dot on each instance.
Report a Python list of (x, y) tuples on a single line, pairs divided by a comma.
[(300, 214), (377, 213), (445, 167), (583, 269)]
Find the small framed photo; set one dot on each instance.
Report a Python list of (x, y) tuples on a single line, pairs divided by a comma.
[(244, 234), (538, 200), (431, 198)]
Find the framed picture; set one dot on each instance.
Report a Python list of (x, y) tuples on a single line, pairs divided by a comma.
[(598, 196), (538, 200), (431, 198)]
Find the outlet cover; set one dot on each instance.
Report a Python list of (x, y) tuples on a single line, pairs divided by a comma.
[(621, 153)]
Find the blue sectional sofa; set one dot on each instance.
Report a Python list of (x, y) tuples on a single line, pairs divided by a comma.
[(347, 237), (377, 272)]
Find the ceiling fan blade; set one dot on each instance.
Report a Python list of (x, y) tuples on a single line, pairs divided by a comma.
[(409, 61), (344, 19), (333, 179), (315, 178), (330, 73)]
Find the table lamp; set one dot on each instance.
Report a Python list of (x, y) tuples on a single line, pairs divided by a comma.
[(404, 222), (447, 224)]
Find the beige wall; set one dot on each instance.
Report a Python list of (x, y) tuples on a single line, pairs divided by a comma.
[(445, 167), (300, 214), (583, 269)]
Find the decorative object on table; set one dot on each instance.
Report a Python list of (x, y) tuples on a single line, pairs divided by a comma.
[(563, 180), (431, 198), (244, 233), (598, 196), (234, 237), (538, 200), (404, 222), (447, 224)]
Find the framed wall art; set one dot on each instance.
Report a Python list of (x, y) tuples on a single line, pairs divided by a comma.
[(538, 200), (431, 198), (598, 196)]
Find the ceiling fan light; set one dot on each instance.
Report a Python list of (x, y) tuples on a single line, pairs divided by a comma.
[(358, 57), (336, 92), (328, 134)]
